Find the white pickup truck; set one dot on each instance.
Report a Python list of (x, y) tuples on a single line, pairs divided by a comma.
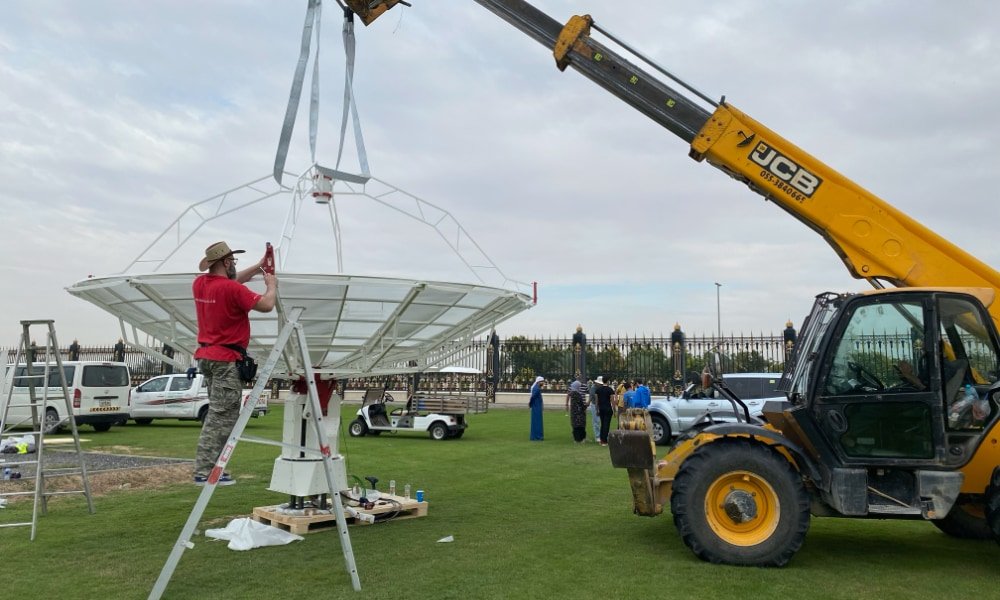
[(177, 397)]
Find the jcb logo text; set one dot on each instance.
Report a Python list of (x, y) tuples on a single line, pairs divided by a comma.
[(785, 170)]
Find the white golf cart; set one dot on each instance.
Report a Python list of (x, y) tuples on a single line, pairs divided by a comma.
[(441, 415)]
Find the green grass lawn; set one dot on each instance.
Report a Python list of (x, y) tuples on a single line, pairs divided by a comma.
[(530, 520)]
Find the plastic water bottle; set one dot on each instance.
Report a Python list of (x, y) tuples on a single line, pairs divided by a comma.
[(6, 472), (980, 409), (392, 487), (406, 491), (960, 413)]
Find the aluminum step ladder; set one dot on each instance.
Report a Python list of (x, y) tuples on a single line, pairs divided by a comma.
[(300, 354), (42, 368)]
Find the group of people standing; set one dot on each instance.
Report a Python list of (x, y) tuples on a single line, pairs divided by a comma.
[(602, 399)]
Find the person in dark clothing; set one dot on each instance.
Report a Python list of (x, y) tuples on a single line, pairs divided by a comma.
[(74, 350), (576, 404), (605, 406), (168, 351)]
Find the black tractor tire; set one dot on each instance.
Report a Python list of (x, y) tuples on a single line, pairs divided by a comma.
[(661, 430), (357, 428), (993, 505), (101, 427), (739, 502), (458, 434), (966, 521), (146, 421), (202, 414), (438, 431)]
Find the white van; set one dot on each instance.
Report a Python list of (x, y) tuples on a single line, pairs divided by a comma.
[(99, 393)]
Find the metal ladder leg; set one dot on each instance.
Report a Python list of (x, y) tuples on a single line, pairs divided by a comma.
[(328, 458), (184, 540), (53, 347)]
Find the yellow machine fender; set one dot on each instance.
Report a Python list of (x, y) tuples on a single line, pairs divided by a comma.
[(672, 462)]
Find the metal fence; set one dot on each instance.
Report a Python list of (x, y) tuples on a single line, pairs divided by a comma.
[(140, 365), (664, 362)]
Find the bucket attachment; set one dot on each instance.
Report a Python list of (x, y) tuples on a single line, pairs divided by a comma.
[(632, 448)]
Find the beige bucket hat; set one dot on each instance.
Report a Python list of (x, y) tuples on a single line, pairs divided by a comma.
[(216, 252)]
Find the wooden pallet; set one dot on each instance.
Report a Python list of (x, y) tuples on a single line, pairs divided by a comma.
[(383, 509)]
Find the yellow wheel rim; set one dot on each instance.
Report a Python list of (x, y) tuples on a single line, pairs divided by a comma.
[(742, 508)]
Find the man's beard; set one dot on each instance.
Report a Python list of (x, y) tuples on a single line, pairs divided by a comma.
[(231, 271)]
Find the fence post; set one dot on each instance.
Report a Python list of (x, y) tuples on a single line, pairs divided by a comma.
[(789, 338), (580, 354), (679, 359)]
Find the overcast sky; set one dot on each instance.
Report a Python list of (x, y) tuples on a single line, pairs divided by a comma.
[(116, 116)]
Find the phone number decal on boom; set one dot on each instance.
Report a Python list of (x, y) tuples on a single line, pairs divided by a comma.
[(784, 173)]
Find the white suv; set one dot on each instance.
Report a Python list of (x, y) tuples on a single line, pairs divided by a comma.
[(672, 415)]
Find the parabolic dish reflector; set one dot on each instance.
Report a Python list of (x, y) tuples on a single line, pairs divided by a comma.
[(353, 325)]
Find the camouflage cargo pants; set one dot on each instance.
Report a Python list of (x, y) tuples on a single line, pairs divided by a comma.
[(225, 392)]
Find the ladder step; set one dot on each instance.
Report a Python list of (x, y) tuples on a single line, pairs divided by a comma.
[(19, 434), (15, 524), (62, 473), (9, 494), (64, 493)]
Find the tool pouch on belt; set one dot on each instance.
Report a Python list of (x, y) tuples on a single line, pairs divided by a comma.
[(246, 365)]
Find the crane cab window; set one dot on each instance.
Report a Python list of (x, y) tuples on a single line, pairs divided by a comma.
[(968, 363), (880, 350)]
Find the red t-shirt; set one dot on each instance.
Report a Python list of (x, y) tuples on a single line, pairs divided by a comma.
[(222, 305)]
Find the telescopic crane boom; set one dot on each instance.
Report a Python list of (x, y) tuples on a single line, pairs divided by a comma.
[(876, 241)]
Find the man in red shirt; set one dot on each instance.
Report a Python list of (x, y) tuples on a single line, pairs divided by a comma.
[(222, 304)]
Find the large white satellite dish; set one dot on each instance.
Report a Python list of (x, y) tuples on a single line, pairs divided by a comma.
[(355, 325)]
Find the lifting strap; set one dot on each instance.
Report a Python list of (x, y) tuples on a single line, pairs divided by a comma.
[(314, 14)]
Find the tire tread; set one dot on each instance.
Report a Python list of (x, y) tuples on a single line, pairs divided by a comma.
[(684, 505)]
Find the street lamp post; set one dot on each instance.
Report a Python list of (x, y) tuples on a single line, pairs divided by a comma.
[(718, 309)]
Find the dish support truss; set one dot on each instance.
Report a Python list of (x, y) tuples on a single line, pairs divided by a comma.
[(322, 186)]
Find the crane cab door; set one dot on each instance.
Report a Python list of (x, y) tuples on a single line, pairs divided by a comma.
[(893, 366), (877, 400)]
